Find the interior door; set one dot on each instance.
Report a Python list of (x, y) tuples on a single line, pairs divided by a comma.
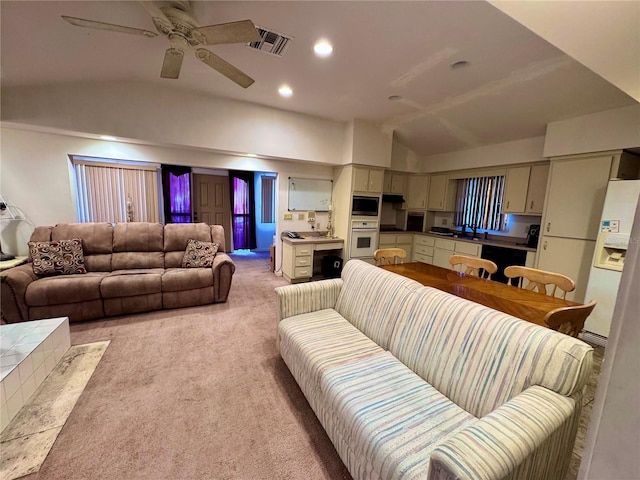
[(212, 203)]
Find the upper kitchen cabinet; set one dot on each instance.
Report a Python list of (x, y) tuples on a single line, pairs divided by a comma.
[(394, 183), (575, 196), (442, 194), (525, 189), (368, 180), (417, 193)]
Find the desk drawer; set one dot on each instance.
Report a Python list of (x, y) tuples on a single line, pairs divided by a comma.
[(302, 272), (468, 249), (329, 246), (424, 240), (303, 261), (301, 250), (445, 244), (422, 250)]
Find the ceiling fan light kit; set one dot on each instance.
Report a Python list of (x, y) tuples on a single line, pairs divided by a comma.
[(177, 23)]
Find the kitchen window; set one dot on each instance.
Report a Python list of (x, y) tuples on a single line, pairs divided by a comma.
[(479, 203)]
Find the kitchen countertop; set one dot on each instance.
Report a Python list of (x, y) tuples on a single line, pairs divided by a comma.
[(482, 241)]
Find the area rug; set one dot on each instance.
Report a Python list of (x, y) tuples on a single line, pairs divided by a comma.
[(27, 440)]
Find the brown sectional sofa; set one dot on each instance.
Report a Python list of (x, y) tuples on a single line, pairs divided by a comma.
[(131, 267)]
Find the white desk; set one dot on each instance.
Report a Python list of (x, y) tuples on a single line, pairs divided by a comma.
[(301, 257)]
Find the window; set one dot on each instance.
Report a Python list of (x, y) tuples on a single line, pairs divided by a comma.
[(268, 198), (112, 192), (176, 187), (479, 202)]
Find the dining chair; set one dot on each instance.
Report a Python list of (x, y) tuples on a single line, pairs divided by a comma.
[(479, 267), (537, 280), (389, 256), (569, 320)]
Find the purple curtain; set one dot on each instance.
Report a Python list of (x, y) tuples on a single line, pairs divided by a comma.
[(243, 210), (176, 186)]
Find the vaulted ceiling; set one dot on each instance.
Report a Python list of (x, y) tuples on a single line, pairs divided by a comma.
[(512, 85)]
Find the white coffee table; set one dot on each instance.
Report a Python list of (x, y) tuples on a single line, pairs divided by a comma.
[(29, 351)]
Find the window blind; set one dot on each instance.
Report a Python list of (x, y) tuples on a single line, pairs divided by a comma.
[(115, 194), (479, 202), (268, 198)]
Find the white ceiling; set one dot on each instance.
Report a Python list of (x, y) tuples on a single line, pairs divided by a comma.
[(514, 85)]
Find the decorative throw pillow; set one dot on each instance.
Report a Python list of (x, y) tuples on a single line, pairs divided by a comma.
[(62, 257), (199, 254)]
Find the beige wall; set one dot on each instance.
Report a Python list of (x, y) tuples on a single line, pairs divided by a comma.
[(35, 175), (162, 116), (520, 151)]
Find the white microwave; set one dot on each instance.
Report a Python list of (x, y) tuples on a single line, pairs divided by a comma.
[(363, 206)]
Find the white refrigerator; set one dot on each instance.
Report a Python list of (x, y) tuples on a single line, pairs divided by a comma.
[(620, 204)]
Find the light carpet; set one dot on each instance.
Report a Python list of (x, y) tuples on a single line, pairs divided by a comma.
[(27, 440)]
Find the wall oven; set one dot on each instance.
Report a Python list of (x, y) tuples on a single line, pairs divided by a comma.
[(362, 206), (364, 238)]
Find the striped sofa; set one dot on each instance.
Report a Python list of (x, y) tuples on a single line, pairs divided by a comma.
[(411, 382)]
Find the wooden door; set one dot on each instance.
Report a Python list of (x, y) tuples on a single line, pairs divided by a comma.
[(212, 203)]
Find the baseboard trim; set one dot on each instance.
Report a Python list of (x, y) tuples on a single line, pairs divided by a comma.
[(593, 339)]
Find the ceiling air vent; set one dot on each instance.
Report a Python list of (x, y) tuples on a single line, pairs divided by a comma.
[(270, 42)]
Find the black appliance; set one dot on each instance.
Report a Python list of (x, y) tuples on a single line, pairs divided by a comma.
[(362, 206), (503, 257), (532, 236), (392, 198)]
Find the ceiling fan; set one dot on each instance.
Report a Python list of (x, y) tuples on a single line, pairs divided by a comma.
[(175, 20)]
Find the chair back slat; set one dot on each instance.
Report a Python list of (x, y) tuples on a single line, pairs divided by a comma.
[(539, 280)]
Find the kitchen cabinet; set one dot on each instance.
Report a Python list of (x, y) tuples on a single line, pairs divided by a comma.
[(423, 249), (368, 180), (574, 201), (400, 240), (417, 192), (515, 191), (537, 189), (444, 248), (525, 189), (571, 257), (575, 197), (441, 195), (300, 256), (394, 183)]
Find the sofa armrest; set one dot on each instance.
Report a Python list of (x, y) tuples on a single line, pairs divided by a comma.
[(512, 438), (307, 297), (13, 286), (223, 269)]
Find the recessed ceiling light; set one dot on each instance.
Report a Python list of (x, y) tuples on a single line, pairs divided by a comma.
[(459, 64), (285, 91), (323, 48), (108, 138), (395, 98)]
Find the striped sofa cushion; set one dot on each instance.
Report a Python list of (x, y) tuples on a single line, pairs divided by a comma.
[(479, 357), (312, 342), (371, 299), (385, 420)]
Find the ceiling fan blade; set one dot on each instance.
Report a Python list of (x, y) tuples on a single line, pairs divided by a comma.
[(225, 68), (243, 31), (172, 63), (81, 22)]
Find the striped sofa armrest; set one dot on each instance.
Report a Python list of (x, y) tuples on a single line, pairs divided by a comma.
[(307, 297), (527, 437)]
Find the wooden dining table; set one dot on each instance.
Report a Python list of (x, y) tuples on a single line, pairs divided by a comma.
[(516, 301)]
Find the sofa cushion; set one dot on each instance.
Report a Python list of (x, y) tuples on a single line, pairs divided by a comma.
[(371, 299), (312, 342), (181, 279), (199, 254), (138, 245), (64, 289), (176, 237), (97, 242), (129, 283), (62, 257), (391, 417), (479, 357)]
